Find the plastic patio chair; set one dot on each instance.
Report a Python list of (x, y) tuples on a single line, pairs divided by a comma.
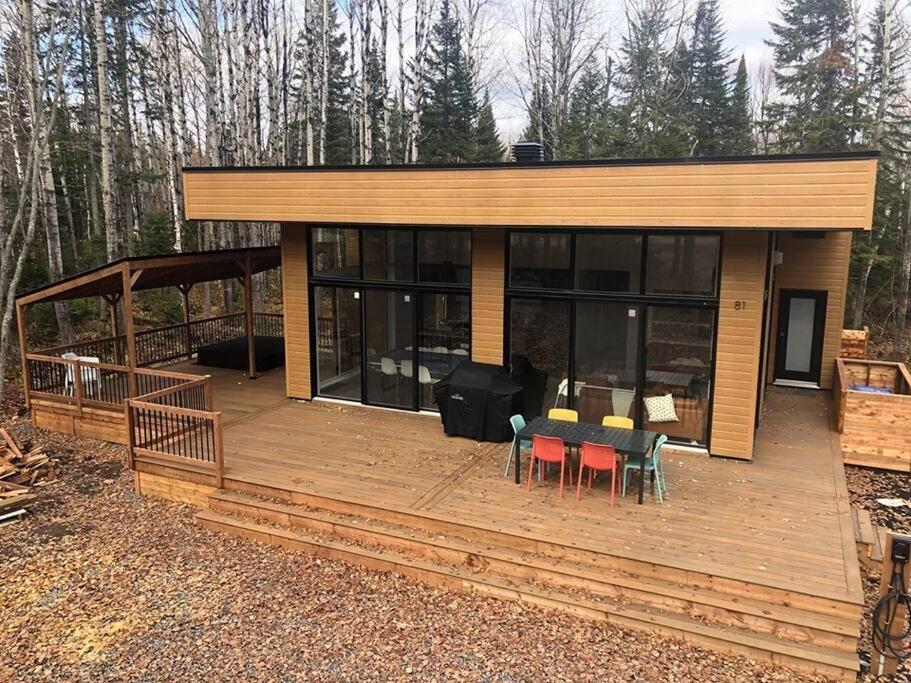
[(597, 458), (564, 414), (549, 449), (518, 424), (652, 464), (91, 377), (69, 380), (617, 421)]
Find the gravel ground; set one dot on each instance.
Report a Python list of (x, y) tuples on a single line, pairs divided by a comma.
[(102, 585), (865, 486)]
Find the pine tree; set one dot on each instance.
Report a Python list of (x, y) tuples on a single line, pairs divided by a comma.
[(812, 70), (451, 110), (739, 120), (338, 132), (709, 81), (487, 145), (581, 139)]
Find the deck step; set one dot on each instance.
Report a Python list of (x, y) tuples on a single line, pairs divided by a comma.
[(479, 578), (789, 623)]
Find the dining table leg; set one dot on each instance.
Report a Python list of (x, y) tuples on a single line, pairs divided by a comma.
[(518, 452), (642, 479)]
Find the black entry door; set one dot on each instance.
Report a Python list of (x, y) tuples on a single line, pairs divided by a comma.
[(801, 323)]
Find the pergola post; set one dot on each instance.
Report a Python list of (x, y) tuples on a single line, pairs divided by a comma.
[(127, 298), (21, 312), (185, 300), (112, 300), (248, 318)]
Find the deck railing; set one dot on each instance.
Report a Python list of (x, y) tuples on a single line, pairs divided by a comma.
[(77, 382), (177, 424), (172, 342)]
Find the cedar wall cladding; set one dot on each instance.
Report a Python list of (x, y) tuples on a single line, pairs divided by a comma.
[(296, 308), (739, 343), (819, 263)]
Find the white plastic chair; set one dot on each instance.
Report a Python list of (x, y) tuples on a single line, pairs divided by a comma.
[(622, 399), (424, 375), (440, 349), (91, 377), (408, 369), (387, 367), (459, 352), (69, 381)]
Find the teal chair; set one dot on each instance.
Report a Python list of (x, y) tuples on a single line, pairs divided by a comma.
[(518, 424), (653, 464)]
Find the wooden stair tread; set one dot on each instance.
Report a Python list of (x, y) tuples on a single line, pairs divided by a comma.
[(595, 575), (524, 591)]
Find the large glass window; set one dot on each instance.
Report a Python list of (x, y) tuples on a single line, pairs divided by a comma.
[(335, 252), (606, 360), (540, 260), (444, 256), (678, 363), (389, 330), (338, 342), (682, 264), (608, 263), (539, 352), (443, 339), (389, 255)]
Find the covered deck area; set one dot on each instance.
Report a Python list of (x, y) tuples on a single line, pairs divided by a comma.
[(748, 557)]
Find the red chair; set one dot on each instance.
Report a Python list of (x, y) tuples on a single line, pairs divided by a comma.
[(601, 458), (549, 449)]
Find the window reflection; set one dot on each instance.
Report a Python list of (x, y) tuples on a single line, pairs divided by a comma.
[(335, 252)]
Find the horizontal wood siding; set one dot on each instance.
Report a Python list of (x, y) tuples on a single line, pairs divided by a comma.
[(739, 344), (769, 194), (820, 264), (297, 311), (488, 261)]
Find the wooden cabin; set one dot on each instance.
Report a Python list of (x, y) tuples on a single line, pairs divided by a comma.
[(701, 279), (683, 294)]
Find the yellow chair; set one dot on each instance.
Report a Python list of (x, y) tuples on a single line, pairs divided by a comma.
[(617, 421), (564, 414)]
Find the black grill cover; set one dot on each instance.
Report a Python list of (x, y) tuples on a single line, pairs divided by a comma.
[(476, 400)]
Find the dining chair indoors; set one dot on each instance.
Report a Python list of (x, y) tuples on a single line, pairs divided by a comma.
[(597, 458), (652, 464), (564, 414), (549, 449), (617, 421)]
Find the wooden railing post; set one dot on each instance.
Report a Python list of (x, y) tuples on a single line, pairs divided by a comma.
[(127, 298), (207, 390), (187, 333), (77, 382), (131, 436), (219, 450)]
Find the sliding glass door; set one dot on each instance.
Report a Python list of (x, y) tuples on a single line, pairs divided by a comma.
[(391, 313), (338, 342), (389, 334)]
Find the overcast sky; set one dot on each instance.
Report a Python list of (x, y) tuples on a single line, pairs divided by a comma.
[(746, 22)]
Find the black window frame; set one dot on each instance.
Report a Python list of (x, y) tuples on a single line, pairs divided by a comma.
[(361, 284), (641, 301)]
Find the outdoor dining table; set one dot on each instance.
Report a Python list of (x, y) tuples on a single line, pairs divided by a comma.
[(635, 442)]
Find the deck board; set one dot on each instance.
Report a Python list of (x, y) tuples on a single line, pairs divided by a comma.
[(778, 521)]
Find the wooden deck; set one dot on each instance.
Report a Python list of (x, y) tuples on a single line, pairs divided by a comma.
[(777, 530)]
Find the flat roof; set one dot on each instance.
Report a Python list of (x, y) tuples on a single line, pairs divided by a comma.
[(566, 163)]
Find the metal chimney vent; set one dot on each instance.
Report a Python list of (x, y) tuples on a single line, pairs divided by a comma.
[(528, 152)]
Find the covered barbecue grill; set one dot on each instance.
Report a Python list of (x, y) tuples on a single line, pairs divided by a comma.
[(476, 400)]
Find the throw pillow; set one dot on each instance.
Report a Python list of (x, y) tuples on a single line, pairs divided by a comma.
[(661, 409)]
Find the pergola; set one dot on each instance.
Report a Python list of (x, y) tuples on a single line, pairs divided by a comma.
[(115, 282)]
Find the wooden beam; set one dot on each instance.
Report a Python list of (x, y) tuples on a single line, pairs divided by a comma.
[(112, 300), (127, 289), (21, 312), (248, 318), (135, 276)]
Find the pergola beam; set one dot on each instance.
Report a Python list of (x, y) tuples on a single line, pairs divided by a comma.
[(248, 318), (21, 312), (127, 298)]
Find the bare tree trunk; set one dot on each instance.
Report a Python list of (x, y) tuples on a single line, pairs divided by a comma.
[(400, 33), (421, 43), (901, 316), (365, 19), (384, 80), (113, 232), (352, 86), (324, 79)]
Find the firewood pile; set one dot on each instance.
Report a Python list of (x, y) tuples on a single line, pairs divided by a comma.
[(21, 471)]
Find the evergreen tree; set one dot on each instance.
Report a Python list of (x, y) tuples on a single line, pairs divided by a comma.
[(487, 141), (338, 132), (709, 81), (451, 110), (739, 128), (812, 70), (581, 139)]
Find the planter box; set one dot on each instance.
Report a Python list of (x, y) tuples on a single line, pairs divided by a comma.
[(854, 343), (875, 429)]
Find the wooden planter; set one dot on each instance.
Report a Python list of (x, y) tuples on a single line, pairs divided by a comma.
[(854, 343), (875, 429)]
